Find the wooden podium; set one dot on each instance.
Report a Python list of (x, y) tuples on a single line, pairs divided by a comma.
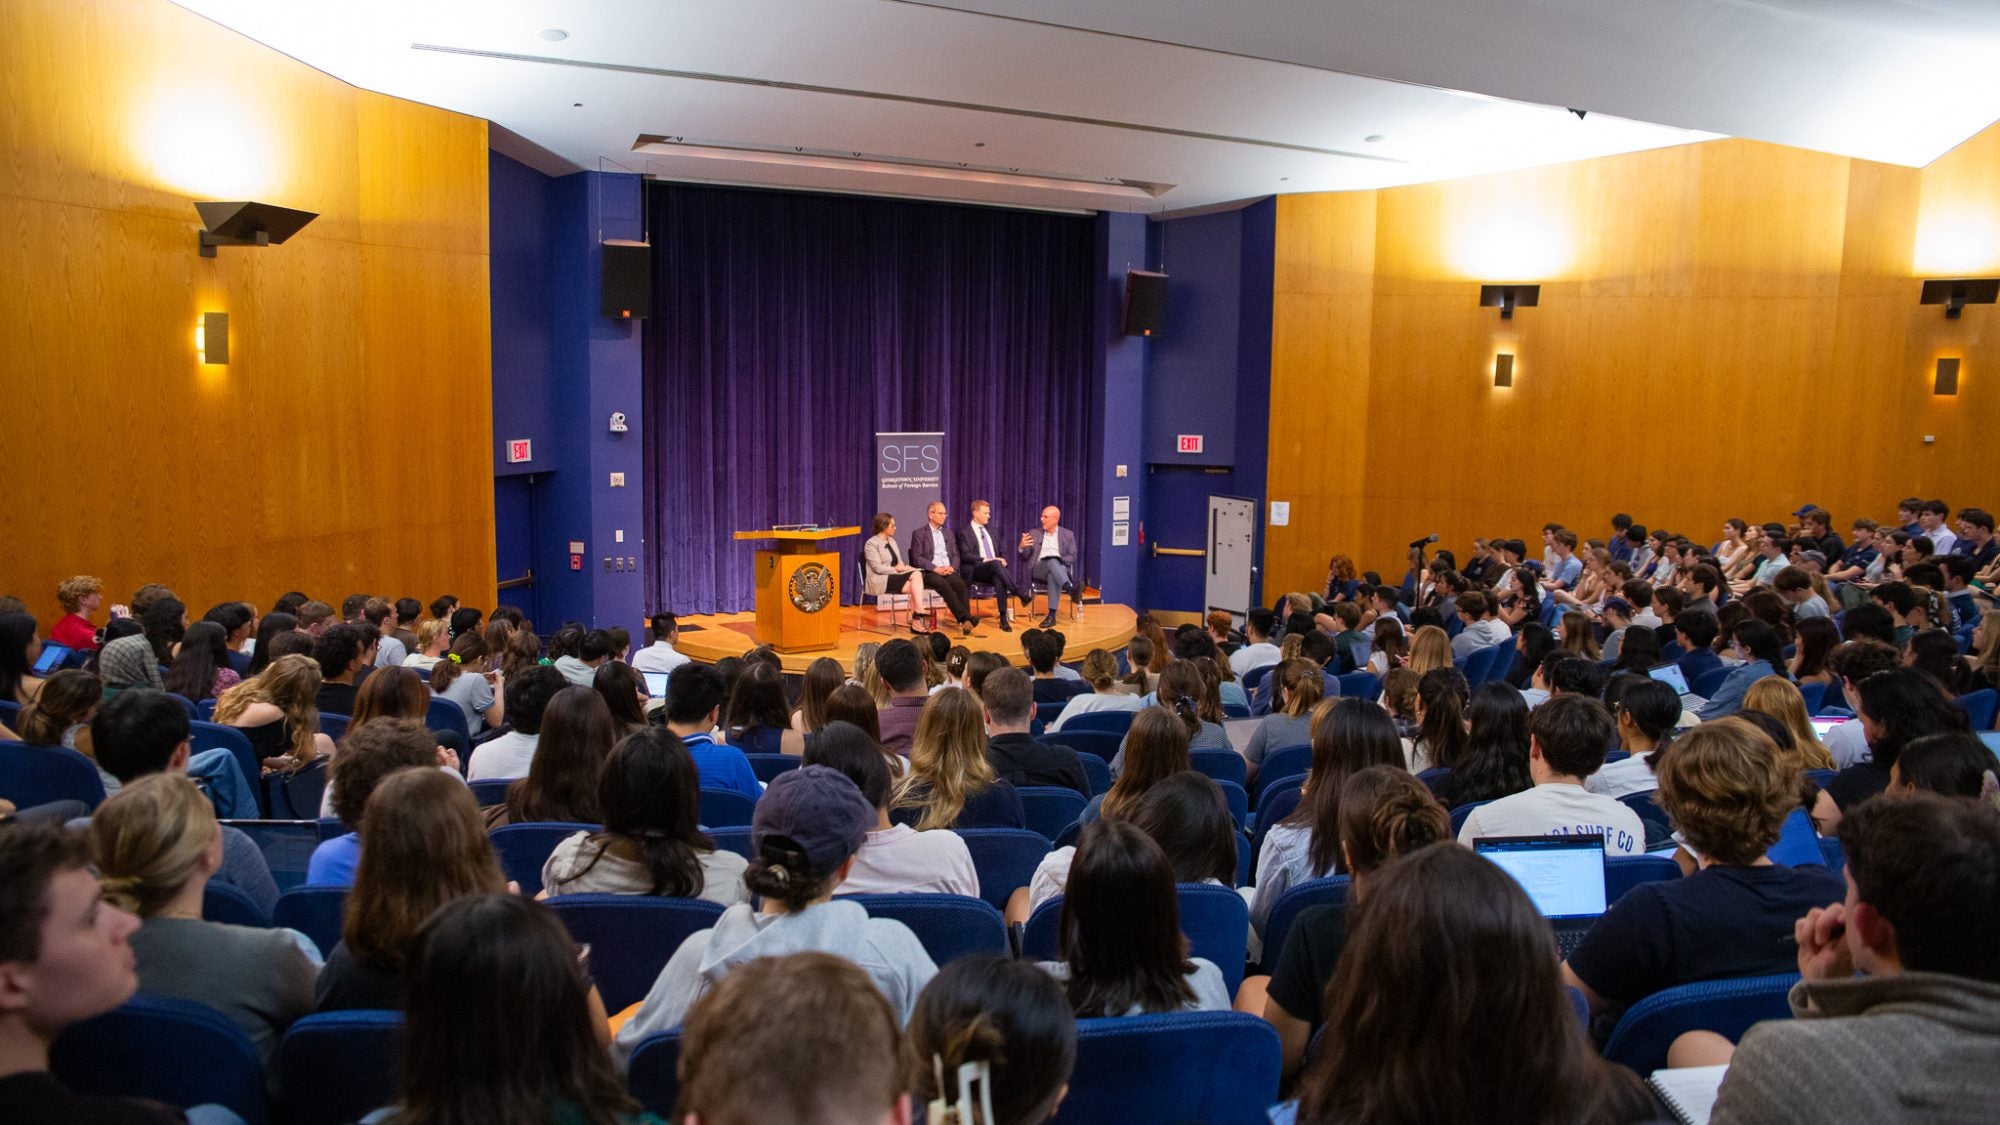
[(798, 588)]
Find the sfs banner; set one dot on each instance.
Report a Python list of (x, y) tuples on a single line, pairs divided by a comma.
[(909, 474)]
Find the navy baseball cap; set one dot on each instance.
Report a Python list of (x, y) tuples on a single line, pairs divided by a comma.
[(816, 811)]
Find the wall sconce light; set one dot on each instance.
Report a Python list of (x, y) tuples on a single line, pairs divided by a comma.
[(1947, 377), (1509, 297), (1503, 369), (248, 224), (1957, 292), (211, 338)]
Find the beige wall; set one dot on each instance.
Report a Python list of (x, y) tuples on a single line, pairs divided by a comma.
[(344, 447), (1725, 329)]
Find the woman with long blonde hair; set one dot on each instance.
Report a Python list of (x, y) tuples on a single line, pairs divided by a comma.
[(1777, 697), (1431, 649), (156, 844), (275, 710), (950, 783)]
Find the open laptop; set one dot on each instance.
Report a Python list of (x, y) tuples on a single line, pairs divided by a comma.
[(1671, 675), (1824, 726), (51, 659), (1563, 875), (656, 684)]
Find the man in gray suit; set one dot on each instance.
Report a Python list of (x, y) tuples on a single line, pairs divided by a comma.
[(933, 551), (1050, 552)]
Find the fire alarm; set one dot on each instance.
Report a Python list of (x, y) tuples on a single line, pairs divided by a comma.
[(618, 422)]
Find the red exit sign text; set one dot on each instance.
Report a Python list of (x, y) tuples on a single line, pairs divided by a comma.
[(1189, 443)]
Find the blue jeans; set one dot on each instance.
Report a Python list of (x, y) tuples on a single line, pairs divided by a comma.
[(219, 775)]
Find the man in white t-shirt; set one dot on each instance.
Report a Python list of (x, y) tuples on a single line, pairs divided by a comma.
[(510, 755), (894, 858), (1567, 740), (1259, 652), (660, 656)]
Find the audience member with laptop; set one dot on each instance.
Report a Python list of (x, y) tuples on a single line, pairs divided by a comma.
[(1568, 737)]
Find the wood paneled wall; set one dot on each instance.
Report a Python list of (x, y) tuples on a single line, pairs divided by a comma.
[(344, 447), (1725, 329)]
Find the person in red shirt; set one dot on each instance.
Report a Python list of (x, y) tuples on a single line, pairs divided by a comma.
[(80, 597)]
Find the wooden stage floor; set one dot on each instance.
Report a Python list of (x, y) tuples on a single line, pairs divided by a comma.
[(711, 637)]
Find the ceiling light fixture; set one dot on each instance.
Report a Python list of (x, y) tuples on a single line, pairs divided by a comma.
[(554, 34), (798, 157)]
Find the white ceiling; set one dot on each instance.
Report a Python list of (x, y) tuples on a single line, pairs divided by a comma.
[(1152, 105)]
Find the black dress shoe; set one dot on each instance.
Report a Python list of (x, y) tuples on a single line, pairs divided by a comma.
[(1006, 622), (1049, 622)]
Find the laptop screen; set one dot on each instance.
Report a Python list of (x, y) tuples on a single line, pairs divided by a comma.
[(1824, 727), (1563, 875), (1992, 740), (51, 659), (656, 684), (1670, 674)]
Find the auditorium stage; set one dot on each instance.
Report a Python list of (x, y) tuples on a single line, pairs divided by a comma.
[(709, 638)]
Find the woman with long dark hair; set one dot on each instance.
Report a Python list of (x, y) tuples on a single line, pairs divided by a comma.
[(1122, 949), (20, 646), (823, 677), (1494, 762), (1816, 638), (756, 717), (1156, 745), (623, 690), (1006, 1014), (1349, 735), (649, 795), (1442, 694), (503, 1024), (200, 667), (268, 628), (1443, 945), (577, 735), (1638, 649), (1387, 814), (1533, 642), (1897, 707), (1648, 711), (1524, 605), (1758, 646)]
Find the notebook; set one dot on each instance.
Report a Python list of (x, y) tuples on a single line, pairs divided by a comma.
[(1563, 875), (1689, 1092)]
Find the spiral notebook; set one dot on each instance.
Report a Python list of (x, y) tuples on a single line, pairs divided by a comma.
[(1688, 1092)]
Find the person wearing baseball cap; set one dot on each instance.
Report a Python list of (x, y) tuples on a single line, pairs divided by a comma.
[(804, 834)]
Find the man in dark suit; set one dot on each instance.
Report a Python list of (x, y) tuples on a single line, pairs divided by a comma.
[(1050, 553), (979, 553), (933, 552)]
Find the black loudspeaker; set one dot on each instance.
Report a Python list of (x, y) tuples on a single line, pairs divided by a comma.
[(628, 280), (1145, 302)]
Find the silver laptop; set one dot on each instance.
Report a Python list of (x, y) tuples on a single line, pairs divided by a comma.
[(656, 684), (1671, 675), (1563, 875)]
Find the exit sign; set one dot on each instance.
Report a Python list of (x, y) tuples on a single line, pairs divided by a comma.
[(520, 450), (1188, 443)]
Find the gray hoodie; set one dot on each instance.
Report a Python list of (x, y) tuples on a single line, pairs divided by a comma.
[(885, 949)]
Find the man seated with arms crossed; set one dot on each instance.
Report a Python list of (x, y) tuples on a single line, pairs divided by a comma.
[(979, 555), (1916, 1036), (64, 958), (1567, 740), (1050, 551), (935, 552)]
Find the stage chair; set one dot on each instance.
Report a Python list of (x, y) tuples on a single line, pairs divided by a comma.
[(893, 602)]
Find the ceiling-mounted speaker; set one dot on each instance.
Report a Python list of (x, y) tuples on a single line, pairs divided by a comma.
[(627, 279), (1145, 302)]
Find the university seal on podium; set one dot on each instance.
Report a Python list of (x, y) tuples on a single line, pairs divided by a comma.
[(811, 587)]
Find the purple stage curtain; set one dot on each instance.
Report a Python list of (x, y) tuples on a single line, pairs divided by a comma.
[(788, 328)]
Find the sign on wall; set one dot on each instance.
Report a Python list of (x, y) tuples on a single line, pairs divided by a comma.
[(909, 474)]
